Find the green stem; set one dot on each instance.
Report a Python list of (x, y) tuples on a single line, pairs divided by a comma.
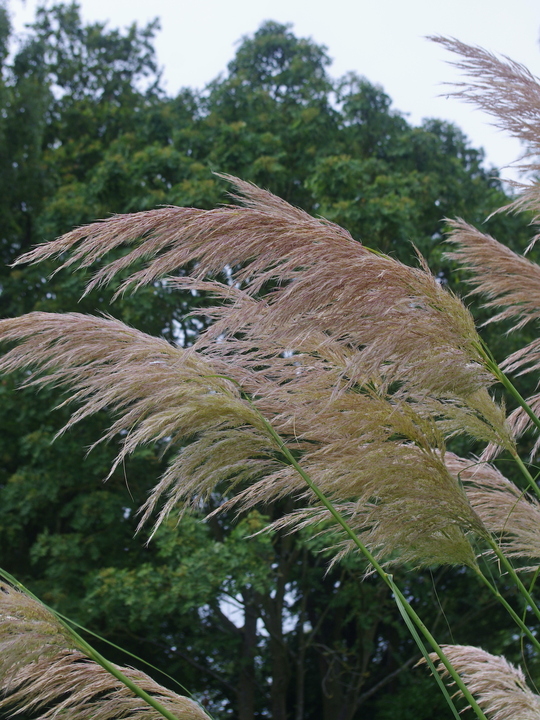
[(119, 675), (531, 586), (505, 380), (493, 367), (412, 629), (518, 620), (526, 474), (382, 573), (515, 577)]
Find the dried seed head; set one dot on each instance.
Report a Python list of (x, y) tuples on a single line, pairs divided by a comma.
[(404, 325), (499, 687), (159, 393), (42, 672), (507, 512), (503, 88), (352, 357), (411, 510), (509, 281)]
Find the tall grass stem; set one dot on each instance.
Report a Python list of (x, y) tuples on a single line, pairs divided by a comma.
[(401, 600)]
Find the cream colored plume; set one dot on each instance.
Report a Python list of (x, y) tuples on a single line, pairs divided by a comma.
[(510, 93), (510, 514), (44, 674), (499, 687), (352, 358), (159, 393), (509, 282), (499, 86), (403, 324)]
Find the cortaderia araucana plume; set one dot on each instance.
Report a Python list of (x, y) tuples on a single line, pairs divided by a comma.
[(43, 673), (499, 686), (510, 284), (361, 365), (510, 514)]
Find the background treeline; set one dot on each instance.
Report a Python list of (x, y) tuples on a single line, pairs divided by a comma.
[(255, 628)]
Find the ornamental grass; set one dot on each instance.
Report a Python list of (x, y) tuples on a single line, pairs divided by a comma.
[(330, 373)]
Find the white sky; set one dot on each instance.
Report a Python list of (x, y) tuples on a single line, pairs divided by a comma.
[(380, 39)]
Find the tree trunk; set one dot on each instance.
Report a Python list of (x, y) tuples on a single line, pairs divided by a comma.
[(273, 620), (246, 682)]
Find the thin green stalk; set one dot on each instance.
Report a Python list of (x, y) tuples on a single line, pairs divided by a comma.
[(183, 688), (517, 619), (97, 657), (119, 675), (378, 567), (494, 368), (526, 474), (410, 625), (515, 577), (531, 586), (508, 384)]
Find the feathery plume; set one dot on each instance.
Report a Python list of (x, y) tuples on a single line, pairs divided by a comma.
[(508, 513), (44, 674), (410, 510), (507, 280), (358, 362), (518, 422), (503, 88), (510, 282), (410, 329), (499, 687), (510, 93), (383, 469), (159, 392)]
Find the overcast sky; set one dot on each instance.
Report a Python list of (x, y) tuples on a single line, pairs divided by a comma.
[(384, 40)]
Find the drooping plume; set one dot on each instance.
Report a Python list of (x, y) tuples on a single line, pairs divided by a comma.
[(44, 674), (510, 514), (350, 354), (399, 320), (501, 87), (159, 393), (510, 283), (499, 687)]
